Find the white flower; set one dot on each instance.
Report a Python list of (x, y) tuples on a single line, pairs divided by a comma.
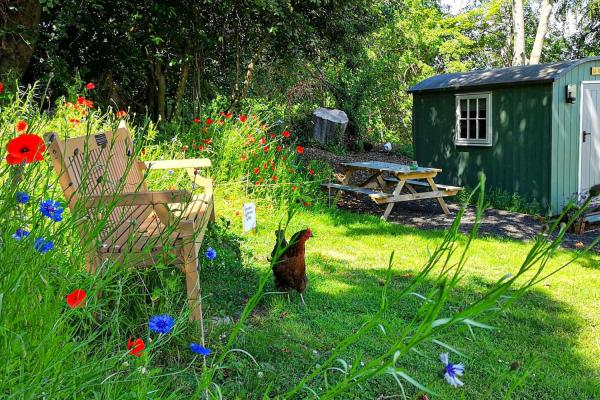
[(452, 371)]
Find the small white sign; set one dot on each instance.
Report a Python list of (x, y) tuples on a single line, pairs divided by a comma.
[(249, 217)]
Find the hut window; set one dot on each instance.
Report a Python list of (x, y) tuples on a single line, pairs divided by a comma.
[(473, 119)]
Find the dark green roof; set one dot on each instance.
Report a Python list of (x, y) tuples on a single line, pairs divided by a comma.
[(525, 74)]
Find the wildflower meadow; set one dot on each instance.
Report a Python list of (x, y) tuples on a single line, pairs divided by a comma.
[(124, 332)]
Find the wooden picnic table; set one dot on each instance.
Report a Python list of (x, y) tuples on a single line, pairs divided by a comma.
[(387, 180)]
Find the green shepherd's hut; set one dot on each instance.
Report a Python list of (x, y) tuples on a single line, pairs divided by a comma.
[(533, 130)]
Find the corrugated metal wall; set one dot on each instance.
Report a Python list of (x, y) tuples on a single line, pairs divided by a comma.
[(566, 135), (518, 161)]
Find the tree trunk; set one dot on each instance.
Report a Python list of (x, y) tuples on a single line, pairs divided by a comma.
[(542, 29), (519, 56), (198, 76), (183, 78), (161, 89), (20, 30), (249, 73), (151, 94)]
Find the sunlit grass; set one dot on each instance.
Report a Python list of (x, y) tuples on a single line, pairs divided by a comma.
[(551, 335)]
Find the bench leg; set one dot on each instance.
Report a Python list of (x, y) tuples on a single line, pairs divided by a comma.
[(440, 200), (390, 206), (91, 262), (212, 217), (338, 193), (192, 283)]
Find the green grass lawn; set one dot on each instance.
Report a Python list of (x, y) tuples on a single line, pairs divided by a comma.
[(551, 336)]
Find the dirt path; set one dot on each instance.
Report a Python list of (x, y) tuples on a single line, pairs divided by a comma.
[(427, 214)]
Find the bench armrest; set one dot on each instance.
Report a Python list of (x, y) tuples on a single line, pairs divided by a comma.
[(141, 198), (174, 164)]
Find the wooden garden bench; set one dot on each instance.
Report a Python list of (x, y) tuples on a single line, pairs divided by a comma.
[(102, 180)]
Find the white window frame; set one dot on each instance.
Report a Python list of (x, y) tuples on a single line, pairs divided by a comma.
[(487, 142)]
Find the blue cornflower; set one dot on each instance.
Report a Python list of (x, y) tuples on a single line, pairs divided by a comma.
[(42, 245), (22, 197), (279, 121), (161, 323), (20, 234), (452, 371), (51, 209), (199, 349), (171, 172), (211, 253)]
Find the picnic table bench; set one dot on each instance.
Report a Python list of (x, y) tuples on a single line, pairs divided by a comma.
[(387, 181)]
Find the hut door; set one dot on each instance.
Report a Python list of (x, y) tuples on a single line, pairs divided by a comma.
[(590, 136)]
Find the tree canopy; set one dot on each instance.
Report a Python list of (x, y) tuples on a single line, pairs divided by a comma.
[(168, 58)]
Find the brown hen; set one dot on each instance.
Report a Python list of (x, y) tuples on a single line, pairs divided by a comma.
[(289, 267)]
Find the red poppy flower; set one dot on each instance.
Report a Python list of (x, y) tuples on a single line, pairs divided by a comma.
[(266, 149), (286, 134), (300, 149), (306, 204), (278, 148), (21, 126), (256, 171), (184, 148), (272, 135), (311, 171), (244, 157), (25, 148), (89, 104), (222, 113), (1, 87), (76, 298), (136, 347), (274, 178), (209, 121), (74, 121), (81, 100), (263, 140), (201, 148), (243, 118), (197, 120), (294, 188), (265, 166), (284, 158), (121, 114), (229, 115), (90, 86), (208, 141)]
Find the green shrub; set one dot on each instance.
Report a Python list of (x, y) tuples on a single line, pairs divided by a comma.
[(504, 200)]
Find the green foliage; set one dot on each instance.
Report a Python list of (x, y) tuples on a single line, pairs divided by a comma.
[(503, 200)]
